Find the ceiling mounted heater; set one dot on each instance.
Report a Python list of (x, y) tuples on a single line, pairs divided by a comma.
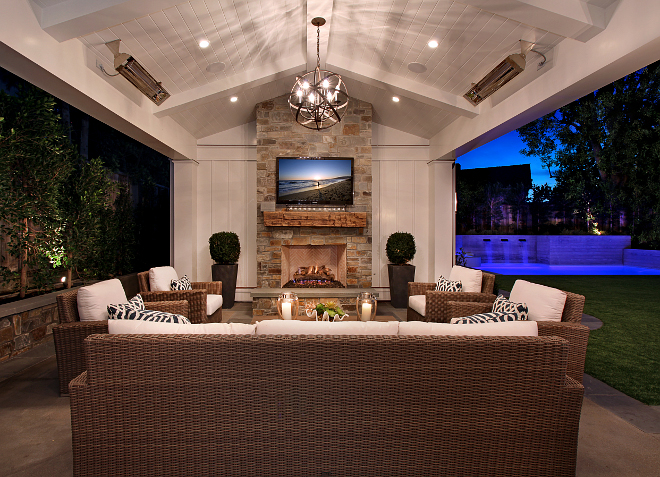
[(508, 69), (129, 68)]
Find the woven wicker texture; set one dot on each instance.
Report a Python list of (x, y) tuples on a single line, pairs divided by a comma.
[(196, 301), (70, 334), (456, 309), (212, 288), (437, 309), (312, 406), (197, 308), (577, 336), (573, 308)]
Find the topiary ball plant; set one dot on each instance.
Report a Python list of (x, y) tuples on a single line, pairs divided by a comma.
[(225, 247), (400, 248)]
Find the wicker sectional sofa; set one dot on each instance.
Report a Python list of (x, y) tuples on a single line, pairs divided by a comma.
[(287, 405)]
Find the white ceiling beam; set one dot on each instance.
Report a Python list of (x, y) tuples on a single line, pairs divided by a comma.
[(402, 86), (75, 18), (577, 19), (318, 8), (231, 85)]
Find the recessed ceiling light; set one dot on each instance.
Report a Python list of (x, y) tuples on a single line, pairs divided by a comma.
[(395, 99), (432, 44), (215, 67), (417, 67), (233, 99), (204, 43)]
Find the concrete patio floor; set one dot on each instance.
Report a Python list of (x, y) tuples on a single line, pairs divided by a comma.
[(618, 435)]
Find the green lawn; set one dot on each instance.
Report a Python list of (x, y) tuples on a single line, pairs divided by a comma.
[(625, 352)]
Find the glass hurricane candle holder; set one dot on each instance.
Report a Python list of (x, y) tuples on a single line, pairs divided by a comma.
[(366, 306), (287, 306)]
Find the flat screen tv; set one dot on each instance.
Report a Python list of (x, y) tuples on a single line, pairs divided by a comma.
[(314, 180)]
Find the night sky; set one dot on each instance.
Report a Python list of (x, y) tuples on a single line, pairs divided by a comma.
[(310, 169), (505, 151)]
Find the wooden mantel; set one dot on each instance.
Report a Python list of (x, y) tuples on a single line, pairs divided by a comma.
[(290, 218)]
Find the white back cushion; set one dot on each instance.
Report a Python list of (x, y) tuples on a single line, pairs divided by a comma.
[(469, 278), (418, 303), (296, 327), (134, 327), (509, 328), (213, 302), (93, 300), (544, 303), (160, 278)]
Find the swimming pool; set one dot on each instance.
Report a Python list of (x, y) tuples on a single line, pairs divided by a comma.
[(542, 269)]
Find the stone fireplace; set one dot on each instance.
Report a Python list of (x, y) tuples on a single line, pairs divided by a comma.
[(278, 135)]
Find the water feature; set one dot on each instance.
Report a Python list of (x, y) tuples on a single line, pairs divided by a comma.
[(505, 249), (524, 252), (489, 251)]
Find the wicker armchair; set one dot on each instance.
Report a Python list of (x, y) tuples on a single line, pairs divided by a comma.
[(71, 332), (437, 301), (569, 328), (196, 297)]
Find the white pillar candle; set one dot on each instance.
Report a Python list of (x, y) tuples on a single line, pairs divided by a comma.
[(286, 311), (366, 312)]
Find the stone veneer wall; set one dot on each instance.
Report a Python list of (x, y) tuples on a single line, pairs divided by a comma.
[(22, 331), (278, 135)]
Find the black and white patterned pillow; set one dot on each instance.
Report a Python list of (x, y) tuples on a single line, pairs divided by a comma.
[(448, 285), (498, 317), (127, 312), (182, 283), (502, 304), (136, 302)]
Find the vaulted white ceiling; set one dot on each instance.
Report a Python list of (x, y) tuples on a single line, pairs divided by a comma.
[(265, 44)]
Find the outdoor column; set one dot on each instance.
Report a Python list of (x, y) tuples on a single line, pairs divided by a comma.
[(184, 218), (443, 215)]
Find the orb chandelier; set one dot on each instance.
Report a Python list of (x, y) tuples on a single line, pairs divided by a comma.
[(319, 98)]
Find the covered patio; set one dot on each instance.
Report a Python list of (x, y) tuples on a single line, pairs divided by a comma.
[(227, 121)]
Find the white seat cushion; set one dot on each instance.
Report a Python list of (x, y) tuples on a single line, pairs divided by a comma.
[(544, 303), (132, 327), (469, 278), (213, 302), (93, 300), (418, 303), (160, 278), (296, 327), (509, 328)]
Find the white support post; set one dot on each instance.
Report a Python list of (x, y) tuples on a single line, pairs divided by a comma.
[(184, 220), (443, 215)]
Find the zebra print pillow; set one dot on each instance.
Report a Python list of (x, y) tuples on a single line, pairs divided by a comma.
[(448, 285), (502, 304), (126, 312), (182, 283), (485, 318), (136, 302)]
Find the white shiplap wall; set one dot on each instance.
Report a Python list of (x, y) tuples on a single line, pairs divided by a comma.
[(401, 199), (226, 201)]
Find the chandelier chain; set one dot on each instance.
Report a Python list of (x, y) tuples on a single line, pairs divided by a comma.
[(318, 42)]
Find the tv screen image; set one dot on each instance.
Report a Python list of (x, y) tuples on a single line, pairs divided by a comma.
[(327, 180)]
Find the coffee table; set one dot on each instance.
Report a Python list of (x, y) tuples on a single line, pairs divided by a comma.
[(306, 318)]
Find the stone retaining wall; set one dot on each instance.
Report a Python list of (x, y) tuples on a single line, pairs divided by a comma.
[(547, 249), (642, 258), (22, 331)]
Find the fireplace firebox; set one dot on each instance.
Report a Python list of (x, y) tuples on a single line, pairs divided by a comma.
[(313, 266)]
